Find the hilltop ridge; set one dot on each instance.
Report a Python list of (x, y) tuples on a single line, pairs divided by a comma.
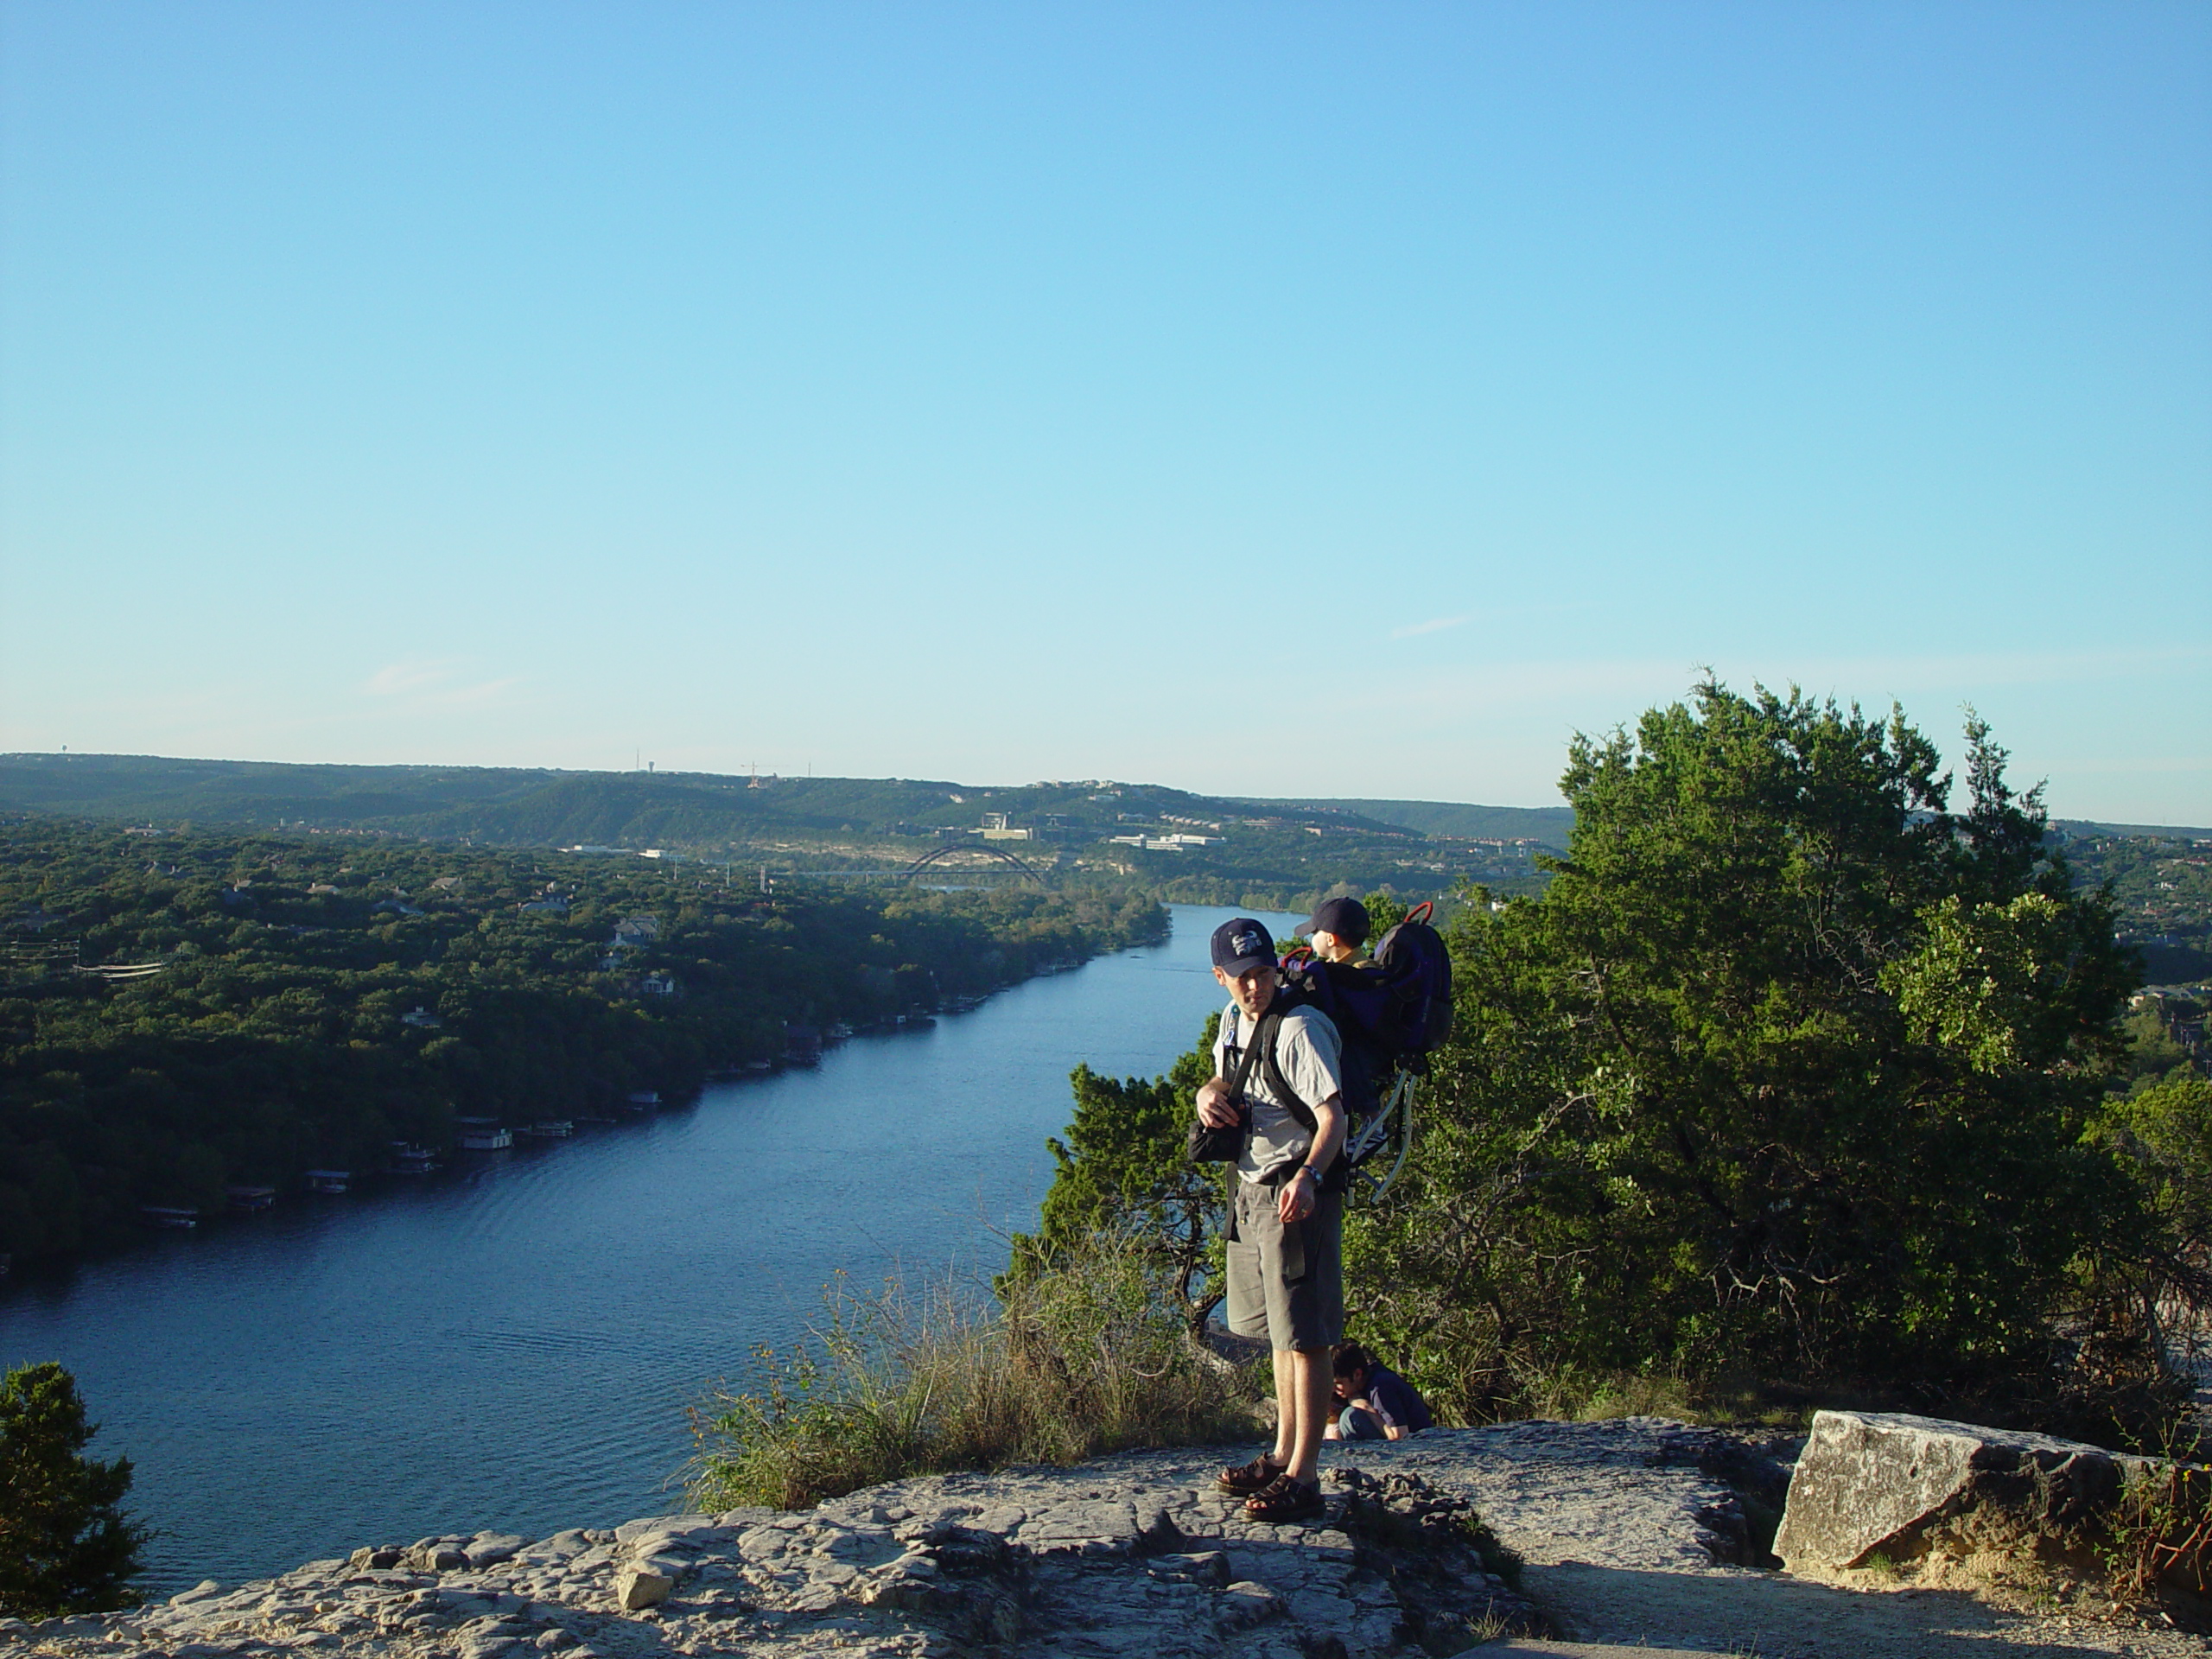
[(1171, 843), (540, 803)]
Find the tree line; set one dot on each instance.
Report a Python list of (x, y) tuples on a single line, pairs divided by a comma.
[(304, 1002)]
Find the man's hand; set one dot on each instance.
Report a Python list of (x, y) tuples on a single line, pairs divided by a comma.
[(1215, 1109), (1300, 1197)]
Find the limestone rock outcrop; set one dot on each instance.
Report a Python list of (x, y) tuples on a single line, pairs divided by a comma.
[(1134, 1554), (1887, 1486)]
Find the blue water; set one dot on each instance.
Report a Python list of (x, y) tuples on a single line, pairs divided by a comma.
[(513, 1344)]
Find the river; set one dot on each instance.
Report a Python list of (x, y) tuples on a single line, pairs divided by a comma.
[(511, 1342)]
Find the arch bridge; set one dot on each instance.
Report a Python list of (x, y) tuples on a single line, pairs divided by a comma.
[(1020, 867)]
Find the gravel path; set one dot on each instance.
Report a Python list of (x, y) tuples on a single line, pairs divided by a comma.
[(1625, 1537)]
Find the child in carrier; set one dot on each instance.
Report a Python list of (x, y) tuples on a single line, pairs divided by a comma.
[(1337, 931)]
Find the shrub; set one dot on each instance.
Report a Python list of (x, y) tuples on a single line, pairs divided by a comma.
[(2159, 1538), (1121, 1170)]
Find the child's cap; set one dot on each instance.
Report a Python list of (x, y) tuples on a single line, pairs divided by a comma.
[(1345, 917)]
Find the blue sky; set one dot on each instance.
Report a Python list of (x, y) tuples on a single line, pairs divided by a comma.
[(1352, 400)]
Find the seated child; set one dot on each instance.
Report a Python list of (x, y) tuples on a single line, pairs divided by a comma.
[(1378, 1403)]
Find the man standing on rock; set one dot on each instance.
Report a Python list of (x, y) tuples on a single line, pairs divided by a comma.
[(1277, 1072)]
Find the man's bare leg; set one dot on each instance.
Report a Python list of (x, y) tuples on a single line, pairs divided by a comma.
[(1287, 1383), (1313, 1385)]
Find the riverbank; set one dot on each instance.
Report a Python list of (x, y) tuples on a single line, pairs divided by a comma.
[(1626, 1545), (194, 1022)]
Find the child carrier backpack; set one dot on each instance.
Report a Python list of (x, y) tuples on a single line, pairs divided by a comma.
[(1398, 1006), (1417, 968), (1391, 1013)]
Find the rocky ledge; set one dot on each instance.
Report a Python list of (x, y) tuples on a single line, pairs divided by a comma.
[(1132, 1555)]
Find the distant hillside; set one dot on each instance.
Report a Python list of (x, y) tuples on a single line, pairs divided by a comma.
[(1168, 843), (500, 805), (537, 805), (2162, 832), (1548, 824)]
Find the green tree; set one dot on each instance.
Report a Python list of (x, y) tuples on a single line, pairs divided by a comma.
[(1786, 1072), (66, 1545), (2152, 1050), (1121, 1173), (2165, 1126)]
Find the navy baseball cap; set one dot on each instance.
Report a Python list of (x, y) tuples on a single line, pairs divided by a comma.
[(1345, 917), (1240, 945)]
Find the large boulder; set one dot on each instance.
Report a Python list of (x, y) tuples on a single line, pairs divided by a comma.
[(1874, 1487)]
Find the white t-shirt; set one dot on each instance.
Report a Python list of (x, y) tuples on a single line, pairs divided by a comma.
[(1306, 1051)]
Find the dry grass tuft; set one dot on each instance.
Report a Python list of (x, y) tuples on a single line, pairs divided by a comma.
[(1078, 1361)]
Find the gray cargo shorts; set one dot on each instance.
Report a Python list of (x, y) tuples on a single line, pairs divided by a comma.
[(1286, 1283)]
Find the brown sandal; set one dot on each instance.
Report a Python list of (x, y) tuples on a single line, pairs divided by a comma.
[(1286, 1499), (1248, 1479)]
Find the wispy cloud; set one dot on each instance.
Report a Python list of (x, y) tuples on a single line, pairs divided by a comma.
[(441, 684), (485, 691), (398, 679), (1434, 624)]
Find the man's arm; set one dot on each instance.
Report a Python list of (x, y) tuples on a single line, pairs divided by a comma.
[(1301, 1194)]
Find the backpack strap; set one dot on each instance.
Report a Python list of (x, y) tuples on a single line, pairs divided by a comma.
[(1263, 1037), (1279, 1085), (1263, 1047), (1338, 1177)]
